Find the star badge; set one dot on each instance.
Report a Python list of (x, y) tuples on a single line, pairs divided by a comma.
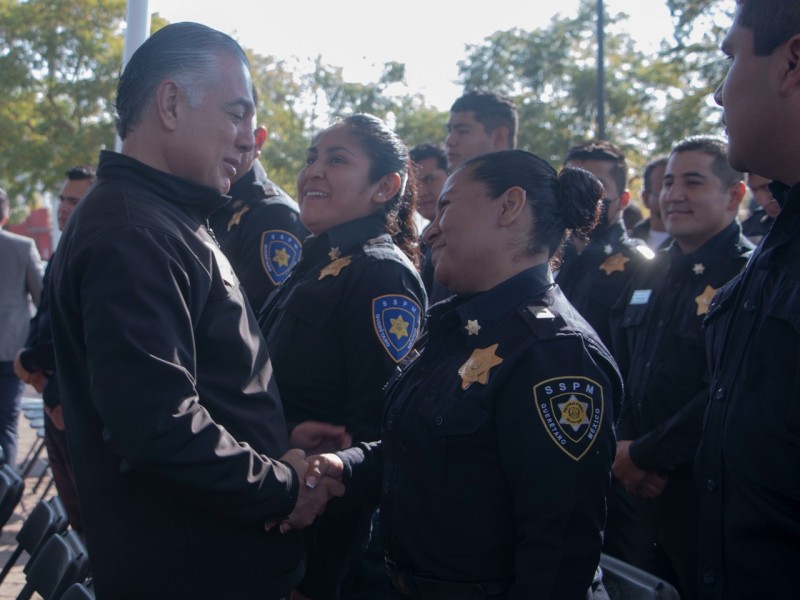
[(608, 249), (478, 365), (334, 253), (472, 327), (281, 257), (237, 217), (399, 327), (334, 268), (704, 300), (574, 413), (699, 269), (614, 263)]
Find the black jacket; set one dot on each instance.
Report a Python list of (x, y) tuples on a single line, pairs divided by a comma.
[(748, 464), (173, 419), (497, 445)]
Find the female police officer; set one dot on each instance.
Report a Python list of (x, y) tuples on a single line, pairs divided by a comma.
[(351, 309), (497, 438)]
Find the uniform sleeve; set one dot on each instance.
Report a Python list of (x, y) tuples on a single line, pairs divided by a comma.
[(556, 444), (141, 298), (34, 273), (380, 319)]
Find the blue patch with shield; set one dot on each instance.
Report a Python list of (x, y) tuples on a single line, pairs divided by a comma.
[(280, 252), (396, 319)]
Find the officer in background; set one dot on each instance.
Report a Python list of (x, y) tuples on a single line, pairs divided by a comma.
[(748, 465), (663, 353), (651, 230), (766, 208), (259, 230)]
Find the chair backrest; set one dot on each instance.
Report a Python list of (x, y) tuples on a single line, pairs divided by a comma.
[(623, 581), (62, 561), (11, 487), (48, 517), (78, 591)]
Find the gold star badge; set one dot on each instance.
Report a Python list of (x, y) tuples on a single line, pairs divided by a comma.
[(478, 365), (281, 257), (614, 263), (574, 413), (399, 327), (237, 217), (334, 268), (704, 300), (699, 269), (472, 327), (334, 253)]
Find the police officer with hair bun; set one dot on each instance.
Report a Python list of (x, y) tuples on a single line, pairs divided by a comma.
[(497, 442)]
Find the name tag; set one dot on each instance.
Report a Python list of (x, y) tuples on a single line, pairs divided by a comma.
[(641, 296)]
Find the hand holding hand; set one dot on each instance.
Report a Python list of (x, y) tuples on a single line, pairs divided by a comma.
[(652, 485), (316, 437), (626, 472)]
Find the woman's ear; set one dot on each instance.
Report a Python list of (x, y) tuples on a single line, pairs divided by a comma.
[(388, 187), (512, 204)]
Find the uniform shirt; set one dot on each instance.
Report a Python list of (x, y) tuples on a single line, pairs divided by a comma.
[(497, 444), (664, 353), (168, 396), (260, 232), (594, 280), (338, 326), (748, 463)]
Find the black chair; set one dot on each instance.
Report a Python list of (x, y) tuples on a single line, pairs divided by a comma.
[(78, 591), (11, 488), (623, 581), (61, 562), (47, 518)]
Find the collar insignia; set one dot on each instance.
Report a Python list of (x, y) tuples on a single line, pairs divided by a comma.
[(608, 249), (699, 269), (237, 217), (472, 327), (333, 269), (614, 263), (396, 319), (477, 367), (571, 409), (704, 300), (280, 252)]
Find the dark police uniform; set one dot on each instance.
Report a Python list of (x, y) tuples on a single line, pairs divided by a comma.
[(663, 358), (260, 232), (338, 326), (168, 396), (496, 450), (594, 280), (748, 465)]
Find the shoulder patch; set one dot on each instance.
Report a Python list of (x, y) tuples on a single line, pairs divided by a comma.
[(280, 252), (396, 319), (571, 409)]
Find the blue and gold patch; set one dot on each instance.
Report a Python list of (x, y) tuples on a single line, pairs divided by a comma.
[(396, 319), (571, 409), (280, 252)]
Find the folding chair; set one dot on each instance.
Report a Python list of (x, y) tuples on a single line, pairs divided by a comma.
[(623, 581), (61, 562), (78, 591), (47, 518), (11, 487)]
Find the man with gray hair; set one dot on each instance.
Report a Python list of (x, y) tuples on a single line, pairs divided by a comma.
[(172, 415)]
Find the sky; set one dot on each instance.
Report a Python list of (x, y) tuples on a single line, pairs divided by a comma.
[(429, 36)]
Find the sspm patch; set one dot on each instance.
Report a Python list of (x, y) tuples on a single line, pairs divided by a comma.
[(280, 251), (571, 409), (396, 319)]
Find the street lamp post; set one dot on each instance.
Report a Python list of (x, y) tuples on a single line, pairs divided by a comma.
[(601, 88)]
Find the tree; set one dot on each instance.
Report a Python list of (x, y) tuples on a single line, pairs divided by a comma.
[(59, 77)]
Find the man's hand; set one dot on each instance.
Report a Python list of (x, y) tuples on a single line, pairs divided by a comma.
[(38, 379), (652, 485), (56, 416), (312, 498), (316, 437), (628, 474)]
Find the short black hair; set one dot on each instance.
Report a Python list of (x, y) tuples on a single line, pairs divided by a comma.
[(603, 150), (660, 161), (773, 22), (492, 111), (422, 152), (81, 173), (717, 148)]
